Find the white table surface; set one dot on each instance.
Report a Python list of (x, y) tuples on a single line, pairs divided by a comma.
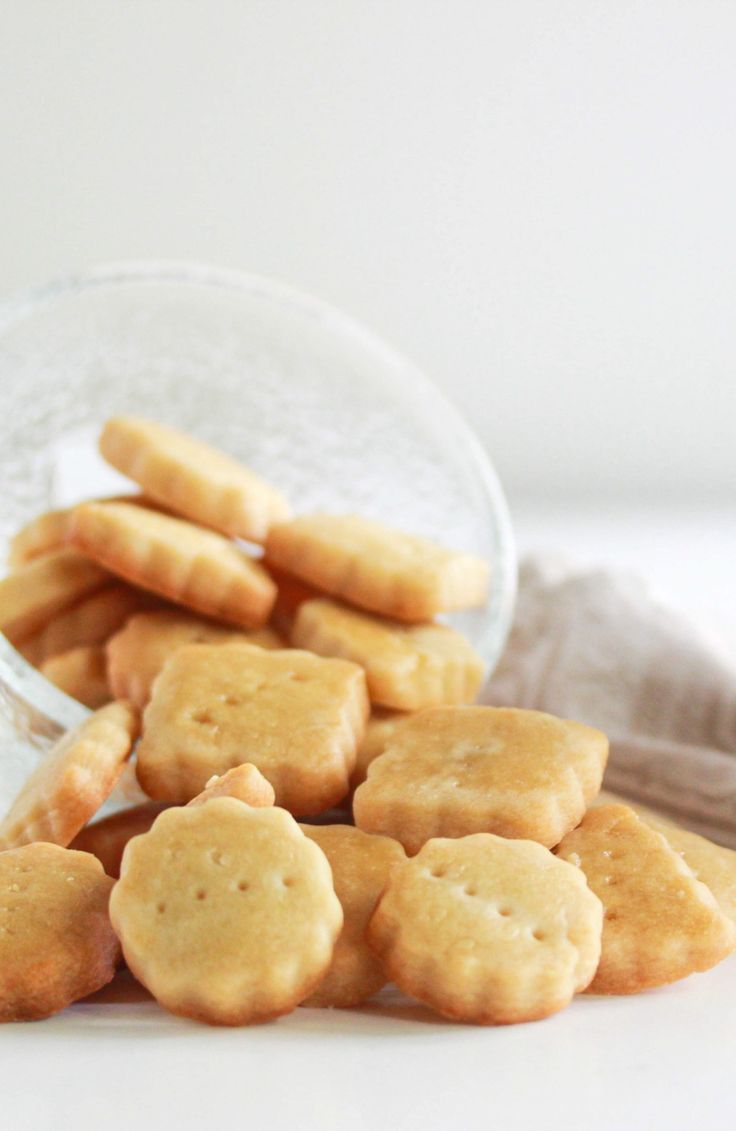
[(664, 1059)]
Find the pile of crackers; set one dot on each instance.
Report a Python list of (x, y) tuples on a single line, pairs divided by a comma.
[(322, 810)]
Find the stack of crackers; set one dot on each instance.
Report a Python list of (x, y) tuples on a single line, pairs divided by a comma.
[(326, 811)]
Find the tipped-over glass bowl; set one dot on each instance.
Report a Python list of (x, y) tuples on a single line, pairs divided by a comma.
[(295, 389)]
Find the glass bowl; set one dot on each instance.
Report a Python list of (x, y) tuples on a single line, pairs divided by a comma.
[(302, 393)]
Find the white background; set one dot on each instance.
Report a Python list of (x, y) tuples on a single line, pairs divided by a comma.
[(534, 199)]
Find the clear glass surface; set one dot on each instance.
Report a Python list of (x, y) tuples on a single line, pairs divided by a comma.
[(300, 392)]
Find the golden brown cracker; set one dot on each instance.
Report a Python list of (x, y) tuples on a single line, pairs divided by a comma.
[(192, 478), (661, 923), (297, 717), (226, 913), (451, 771), (177, 560), (56, 941), (488, 930), (377, 567), (407, 667), (361, 865), (73, 780)]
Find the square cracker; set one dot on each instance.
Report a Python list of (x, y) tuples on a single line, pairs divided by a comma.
[(453, 771), (192, 478), (297, 717), (177, 560), (407, 667), (661, 923), (378, 567)]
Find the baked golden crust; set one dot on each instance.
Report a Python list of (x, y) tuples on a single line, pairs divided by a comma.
[(361, 865), (297, 717), (488, 930), (226, 913), (73, 780), (451, 771), (56, 942), (192, 478), (182, 562), (377, 567), (661, 923), (407, 667)]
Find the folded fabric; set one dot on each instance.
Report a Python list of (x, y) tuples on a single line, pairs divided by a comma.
[(598, 647)]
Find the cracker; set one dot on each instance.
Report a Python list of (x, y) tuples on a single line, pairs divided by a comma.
[(73, 780), (193, 479), (488, 930), (295, 716), (49, 531), (90, 621), (712, 864), (407, 667), (661, 923), (451, 771), (226, 913), (44, 588), (361, 865), (106, 839), (379, 730), (56, 941), (82, 673), (377, 567), (245, 782), (137, 653), (177, 560)]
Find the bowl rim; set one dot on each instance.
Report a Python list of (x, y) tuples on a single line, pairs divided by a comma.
[(25, 682)]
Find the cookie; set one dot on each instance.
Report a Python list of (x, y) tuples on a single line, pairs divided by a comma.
[(361, 865), (661, 923), (379, 729), (377, 567), (137, 653), (295, 716), (177, 560), (193, 479), (56, 942), (73, 780), (451, 771), (36, 592), (407, 667), (49, 531), (226, 913), (488, 930), (90, 621), (106, 839), (82, 673), (244, 782), (712, 864)]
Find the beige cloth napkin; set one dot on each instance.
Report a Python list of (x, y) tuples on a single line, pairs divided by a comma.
[(597, 647)]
